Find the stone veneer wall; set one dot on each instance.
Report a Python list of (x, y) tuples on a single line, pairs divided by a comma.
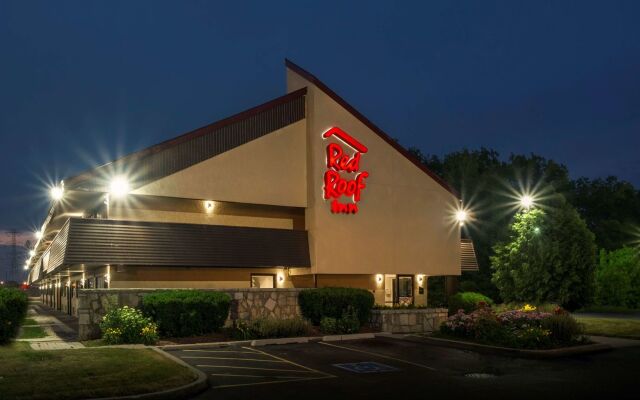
[(246, 304), (408, 320)]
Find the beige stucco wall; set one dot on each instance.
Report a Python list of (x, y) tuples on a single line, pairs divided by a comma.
[(129, 214), (404, 224), (268, 170)]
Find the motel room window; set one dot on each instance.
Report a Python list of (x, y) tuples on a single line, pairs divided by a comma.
[(263, 281)]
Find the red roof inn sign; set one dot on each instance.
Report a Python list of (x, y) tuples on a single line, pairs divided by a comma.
[(340, 162)]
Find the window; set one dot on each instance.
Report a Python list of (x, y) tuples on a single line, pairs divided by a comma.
[(263, 281)]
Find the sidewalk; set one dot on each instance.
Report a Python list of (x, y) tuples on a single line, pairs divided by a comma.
[(61, 329)]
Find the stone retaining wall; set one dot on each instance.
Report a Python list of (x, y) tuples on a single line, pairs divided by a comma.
[(246, 304), (415, 320)]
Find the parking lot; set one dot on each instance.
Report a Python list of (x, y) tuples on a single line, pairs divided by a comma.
[(387, 368)]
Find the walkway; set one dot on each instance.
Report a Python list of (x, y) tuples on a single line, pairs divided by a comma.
[(61, 329)]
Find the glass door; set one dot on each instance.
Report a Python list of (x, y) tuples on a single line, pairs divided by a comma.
[(403, 290)]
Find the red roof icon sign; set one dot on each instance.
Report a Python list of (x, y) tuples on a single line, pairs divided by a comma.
[(345, 137)]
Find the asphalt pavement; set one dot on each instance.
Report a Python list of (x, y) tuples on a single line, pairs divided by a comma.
[(387, 368)]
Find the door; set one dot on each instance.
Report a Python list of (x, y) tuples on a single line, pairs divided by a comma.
[(403, 290)]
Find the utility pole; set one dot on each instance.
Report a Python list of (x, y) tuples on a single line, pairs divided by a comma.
[(14, 253)]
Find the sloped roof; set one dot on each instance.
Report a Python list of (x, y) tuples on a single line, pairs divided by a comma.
[(173, 155), (333, 95)]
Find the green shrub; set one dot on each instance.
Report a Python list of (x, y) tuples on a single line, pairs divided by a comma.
[(563, 327), (265, 328), (332, 302), (329, 325), (349, 322), (467, 301), (128, 325), (13, 309), (180, 313)]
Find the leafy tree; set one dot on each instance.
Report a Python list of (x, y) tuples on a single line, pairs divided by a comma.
[(611, 208), (549, 257), (617, 278)]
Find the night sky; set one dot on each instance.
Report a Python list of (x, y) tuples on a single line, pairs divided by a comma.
[(84, 82)]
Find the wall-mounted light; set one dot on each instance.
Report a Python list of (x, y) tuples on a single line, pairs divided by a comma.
[(420, 278), (38, 234), (209, 206), (379, 278), (119, 187)]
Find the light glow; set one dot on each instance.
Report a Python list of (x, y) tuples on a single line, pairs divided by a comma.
[(38, 235), (209, 206), (57, 193), (526, 201), (119, 187), (379, 278), (461, 216), (32, 253)]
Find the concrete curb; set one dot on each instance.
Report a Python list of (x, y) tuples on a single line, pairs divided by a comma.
[(204, 344), (275, 341), (182, 392), (354, 336), (522, 353)]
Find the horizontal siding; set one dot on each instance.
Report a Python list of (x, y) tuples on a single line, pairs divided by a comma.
[(468, 260), (57, 249), (99, 242)]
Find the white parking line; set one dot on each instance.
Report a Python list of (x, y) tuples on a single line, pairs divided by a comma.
[(222, 351), (231, 358), (257, 376), (257, 368), (272, 382)]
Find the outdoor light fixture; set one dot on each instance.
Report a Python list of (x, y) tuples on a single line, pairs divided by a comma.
[(526, 201), (379, 278), (38, 235), (536, 230), (32, 253), (57, 193), (209, 205), (461, 216), (119, 187), (420, 278)]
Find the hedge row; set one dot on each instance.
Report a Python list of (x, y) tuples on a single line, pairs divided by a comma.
[(333, 302), (13, 309), (180, 313)]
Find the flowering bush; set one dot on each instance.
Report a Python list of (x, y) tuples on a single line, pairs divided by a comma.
[(515, 328), (128, 325)]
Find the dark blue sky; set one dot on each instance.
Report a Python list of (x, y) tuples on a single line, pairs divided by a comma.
[(84, 82)]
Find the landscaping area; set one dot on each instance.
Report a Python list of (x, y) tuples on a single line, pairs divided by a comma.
[(614, 327), (85, 373)]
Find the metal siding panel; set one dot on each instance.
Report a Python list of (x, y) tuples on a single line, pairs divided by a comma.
[(163, 244)]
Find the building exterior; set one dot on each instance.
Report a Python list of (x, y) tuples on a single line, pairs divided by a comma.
[(302, 191)]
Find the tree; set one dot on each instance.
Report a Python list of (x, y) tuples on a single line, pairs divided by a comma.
[(618, 278), (611, 208), (550, 256)]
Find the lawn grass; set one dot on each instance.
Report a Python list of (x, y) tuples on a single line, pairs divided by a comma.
[(29, 321), (616, 327), (85, 373), (608, 309), (32, 332)]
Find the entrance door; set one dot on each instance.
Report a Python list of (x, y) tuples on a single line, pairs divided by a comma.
[(403, 289)]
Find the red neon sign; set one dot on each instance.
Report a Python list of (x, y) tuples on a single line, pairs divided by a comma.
[(335, 186)]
